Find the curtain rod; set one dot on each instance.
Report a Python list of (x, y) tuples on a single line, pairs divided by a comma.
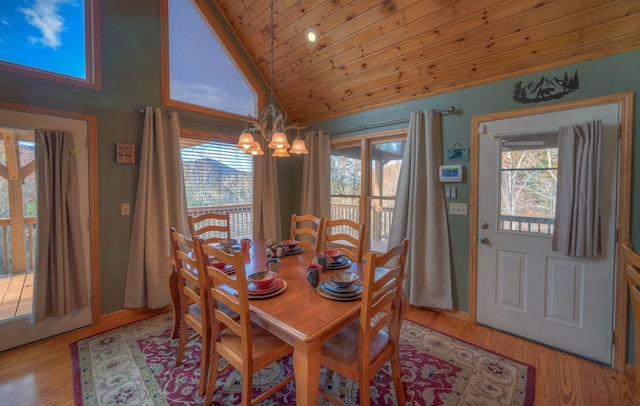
[(448, 110), (196, 120)]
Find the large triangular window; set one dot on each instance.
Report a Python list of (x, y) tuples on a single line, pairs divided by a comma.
[(203, 72)]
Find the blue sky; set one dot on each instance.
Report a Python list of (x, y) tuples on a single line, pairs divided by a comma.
[(200, 70), (44, 34)]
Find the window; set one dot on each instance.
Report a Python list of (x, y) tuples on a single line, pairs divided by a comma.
[(56, 40), (203, 74), (367, 192), (218, 178), (528, 179)]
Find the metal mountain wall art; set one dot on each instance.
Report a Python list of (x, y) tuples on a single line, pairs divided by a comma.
[(545, 89)]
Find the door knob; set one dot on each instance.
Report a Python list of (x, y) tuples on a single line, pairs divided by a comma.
[(484, 226), (484, 240)]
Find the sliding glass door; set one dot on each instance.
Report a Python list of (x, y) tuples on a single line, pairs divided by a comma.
[(364, 178)]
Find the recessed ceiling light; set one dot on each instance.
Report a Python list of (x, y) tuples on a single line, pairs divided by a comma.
[(311, 35)]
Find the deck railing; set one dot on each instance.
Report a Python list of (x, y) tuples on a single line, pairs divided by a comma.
[(381, 224), (240, 217), (539, 225), (6, 257)]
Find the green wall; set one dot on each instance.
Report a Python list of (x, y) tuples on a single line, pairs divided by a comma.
[(605, 76)]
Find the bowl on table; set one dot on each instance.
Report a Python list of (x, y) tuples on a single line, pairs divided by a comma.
[(262, 279), (219, 265), (343, 279), (334, 254), (227, 243), (290, 244)]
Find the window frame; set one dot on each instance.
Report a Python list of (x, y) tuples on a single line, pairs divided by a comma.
[(222, 36), (209, 136), (93, 52)]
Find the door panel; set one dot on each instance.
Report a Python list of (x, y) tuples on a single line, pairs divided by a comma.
[(523, 287)]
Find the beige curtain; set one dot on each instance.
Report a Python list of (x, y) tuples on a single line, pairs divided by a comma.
[(316, 175), (420, 214), (60, 284), (577, 223), (160, 204), (266, 200)]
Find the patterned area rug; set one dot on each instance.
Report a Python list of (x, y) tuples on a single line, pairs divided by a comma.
[(134, 365)]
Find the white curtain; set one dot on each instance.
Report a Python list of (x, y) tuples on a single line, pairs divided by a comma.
[(420, 214), (577, 223), (266, 200), (160, 204), (316, 175), (60, 284)]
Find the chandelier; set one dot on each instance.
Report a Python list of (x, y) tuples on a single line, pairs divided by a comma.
[(271, 125)]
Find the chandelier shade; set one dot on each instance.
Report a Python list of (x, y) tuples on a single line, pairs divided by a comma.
[(271, 124)]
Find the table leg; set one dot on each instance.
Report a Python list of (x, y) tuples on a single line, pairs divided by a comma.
[(306, 366), (175, 302)]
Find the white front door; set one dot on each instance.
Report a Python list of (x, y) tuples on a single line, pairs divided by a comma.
[(523, 287), (19, 330)]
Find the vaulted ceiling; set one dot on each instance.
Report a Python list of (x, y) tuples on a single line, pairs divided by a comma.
[(377, 53)]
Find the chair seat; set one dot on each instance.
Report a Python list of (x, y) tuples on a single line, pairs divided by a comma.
[(265, 346), (339, 349)]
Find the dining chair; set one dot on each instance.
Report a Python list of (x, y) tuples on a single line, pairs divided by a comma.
[(346, 235), (360, 350), (245, 346), (631, 261), (212, 227), (307, 229), (194, 310)]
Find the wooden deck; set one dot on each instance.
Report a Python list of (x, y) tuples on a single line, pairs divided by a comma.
[(16, 294)]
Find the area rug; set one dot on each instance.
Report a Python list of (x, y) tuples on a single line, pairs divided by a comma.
[(134, 365)]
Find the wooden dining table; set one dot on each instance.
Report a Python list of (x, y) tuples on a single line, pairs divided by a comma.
[(299, 315)]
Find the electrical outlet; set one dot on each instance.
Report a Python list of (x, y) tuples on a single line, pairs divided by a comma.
[(125, 209), (459, 209)]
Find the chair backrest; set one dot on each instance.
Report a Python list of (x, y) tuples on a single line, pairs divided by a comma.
[(230, 291), (191, 282), (347, 235), (212, 227), (631, 261), (382, 297), (307, 229)]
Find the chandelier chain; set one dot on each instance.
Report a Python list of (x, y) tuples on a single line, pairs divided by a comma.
[(272, 55)]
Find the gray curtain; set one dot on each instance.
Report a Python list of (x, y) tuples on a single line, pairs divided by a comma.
[(577, 222), (60, 284), (160, 204), (266, 200), (316, 175), (420, 214)]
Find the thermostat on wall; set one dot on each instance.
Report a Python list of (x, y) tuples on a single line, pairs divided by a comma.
[(450, 173)]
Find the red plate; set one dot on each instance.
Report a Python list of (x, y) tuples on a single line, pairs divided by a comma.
[(252, 289)]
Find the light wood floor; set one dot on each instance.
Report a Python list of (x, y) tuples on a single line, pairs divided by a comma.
[(40, 373)]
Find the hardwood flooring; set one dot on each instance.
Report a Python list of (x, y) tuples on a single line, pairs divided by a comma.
[(40, 373)]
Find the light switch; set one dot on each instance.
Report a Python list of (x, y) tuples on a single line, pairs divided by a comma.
[(447, 192), (454, 192)]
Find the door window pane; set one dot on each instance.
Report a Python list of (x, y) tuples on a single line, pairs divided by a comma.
[(528, 180), (346, 181), (386, 160)]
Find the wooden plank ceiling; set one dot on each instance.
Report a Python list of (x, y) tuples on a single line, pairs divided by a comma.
[(379, 53)]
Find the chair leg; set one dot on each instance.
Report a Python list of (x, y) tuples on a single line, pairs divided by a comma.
[(247, 386), (182, 343), (205, 359), (396, 371), (212, 375), (365, 398)]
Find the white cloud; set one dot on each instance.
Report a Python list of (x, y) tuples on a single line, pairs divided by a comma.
[(44, 15), (209, 96), (4, 20)]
